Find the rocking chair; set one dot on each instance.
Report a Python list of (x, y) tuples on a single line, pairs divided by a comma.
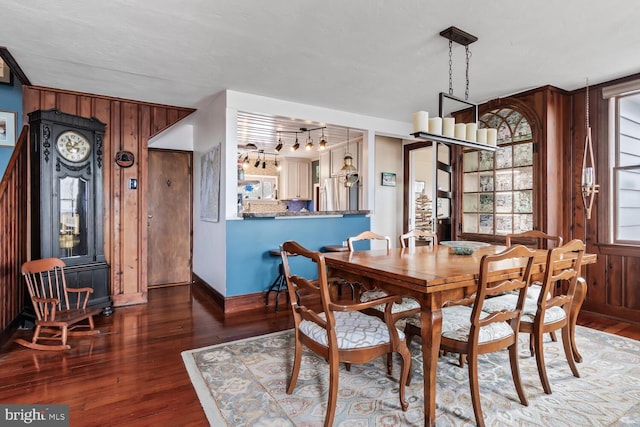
[(56, 318)]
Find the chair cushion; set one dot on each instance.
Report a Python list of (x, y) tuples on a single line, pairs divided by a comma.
[(456, 325), (354, 329), (552, 314), (407, 303)]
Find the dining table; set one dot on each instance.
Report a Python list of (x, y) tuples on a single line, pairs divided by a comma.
[(434, 275)]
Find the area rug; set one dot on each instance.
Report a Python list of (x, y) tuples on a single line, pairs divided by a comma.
[(243, 383)]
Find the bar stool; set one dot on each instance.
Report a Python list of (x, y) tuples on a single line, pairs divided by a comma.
[(280, 284)]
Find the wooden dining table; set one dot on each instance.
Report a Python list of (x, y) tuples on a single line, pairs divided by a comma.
[(432, 276)]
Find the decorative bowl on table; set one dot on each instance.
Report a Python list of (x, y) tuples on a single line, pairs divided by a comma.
[(463, 247)]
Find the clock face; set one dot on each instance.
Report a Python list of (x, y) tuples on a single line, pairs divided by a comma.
[(73, 146)]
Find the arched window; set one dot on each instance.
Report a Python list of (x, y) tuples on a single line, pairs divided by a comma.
[(498, 187)]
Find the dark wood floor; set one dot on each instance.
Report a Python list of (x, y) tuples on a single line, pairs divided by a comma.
[(132, 374)]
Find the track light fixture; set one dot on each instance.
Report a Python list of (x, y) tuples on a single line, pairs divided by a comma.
[(279, 145), (295, 146), (309, 144), (257, 163), (323, 142)]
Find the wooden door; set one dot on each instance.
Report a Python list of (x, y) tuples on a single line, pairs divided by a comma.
[(169, 224)]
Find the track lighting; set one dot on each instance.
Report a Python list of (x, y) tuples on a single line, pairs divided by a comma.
[(323, 142), (309, 144), (295, 146), (257, 163), (279, 146)]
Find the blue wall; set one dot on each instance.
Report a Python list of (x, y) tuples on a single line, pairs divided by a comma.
[(251, 269), (10, 100)]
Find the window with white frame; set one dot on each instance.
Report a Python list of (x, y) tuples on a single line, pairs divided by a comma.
[(626, 168)]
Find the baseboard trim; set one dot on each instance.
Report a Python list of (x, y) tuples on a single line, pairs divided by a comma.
[(240, 303), (7, 333)]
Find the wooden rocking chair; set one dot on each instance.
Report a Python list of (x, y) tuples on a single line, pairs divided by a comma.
[(56, 318)]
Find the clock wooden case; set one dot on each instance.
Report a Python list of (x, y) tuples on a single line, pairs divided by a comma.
[(67, 163)]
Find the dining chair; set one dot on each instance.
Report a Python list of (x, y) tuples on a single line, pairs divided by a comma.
[(543, 241), (408, 305), (60, 311), (468, 330), (548, 314), (413, 235), (340, 333)]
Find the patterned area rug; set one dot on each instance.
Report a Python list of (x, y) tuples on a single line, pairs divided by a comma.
[(243, 383)]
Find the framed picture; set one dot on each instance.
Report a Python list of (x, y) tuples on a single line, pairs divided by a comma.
[(7, 128), (388, 179), (6, 77)]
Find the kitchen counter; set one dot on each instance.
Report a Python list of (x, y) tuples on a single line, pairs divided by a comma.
[(249, 215)]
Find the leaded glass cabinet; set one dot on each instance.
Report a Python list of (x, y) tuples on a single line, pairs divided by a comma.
[(498, 187)]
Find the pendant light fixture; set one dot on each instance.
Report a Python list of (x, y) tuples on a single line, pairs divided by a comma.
[(589, 186), (348, 171)]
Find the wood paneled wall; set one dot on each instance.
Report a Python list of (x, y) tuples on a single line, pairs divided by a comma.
[(130, 124), (14, 214), (613, 284)]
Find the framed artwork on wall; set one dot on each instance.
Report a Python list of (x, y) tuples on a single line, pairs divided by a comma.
[(6, 76), (7, 128), (388, 179)]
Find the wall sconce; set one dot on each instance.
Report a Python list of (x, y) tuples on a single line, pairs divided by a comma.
[(589, 187)]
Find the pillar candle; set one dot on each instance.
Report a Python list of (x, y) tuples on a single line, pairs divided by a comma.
[(420, 121), (481, 136), (435, 126), (448, 126), (492, 136), (471, 131), (460, 131)]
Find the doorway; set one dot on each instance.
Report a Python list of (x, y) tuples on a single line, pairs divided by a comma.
[(427, 192), (169, 218)]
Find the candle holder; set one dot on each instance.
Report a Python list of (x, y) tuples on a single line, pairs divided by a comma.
[(589, 188)]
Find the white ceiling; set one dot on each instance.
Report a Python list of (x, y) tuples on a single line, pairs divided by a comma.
[(381, 58)]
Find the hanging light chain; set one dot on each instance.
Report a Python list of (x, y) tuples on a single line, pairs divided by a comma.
[(450, 68), (466, 90), (586, 108)]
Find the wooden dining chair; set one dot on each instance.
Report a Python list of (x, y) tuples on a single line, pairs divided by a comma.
[(340, 333), (408, 305), (468, 330), (542, 241), (413, 235), (549, 314), (60, 311)]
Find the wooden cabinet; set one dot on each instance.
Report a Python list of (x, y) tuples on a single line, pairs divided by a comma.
[(295, 179)]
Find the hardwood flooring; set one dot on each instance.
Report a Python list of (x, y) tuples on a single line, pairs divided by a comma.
[(132, 374)]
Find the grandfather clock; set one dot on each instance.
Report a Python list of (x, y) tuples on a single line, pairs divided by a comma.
[(67, 165)]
